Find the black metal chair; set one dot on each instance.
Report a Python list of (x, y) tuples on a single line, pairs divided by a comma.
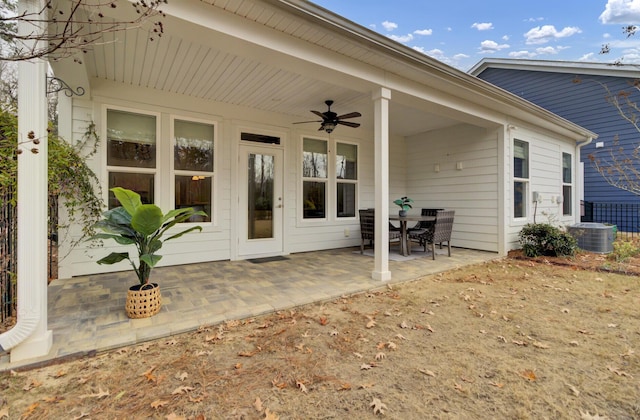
[(441, 232), (367, 229)]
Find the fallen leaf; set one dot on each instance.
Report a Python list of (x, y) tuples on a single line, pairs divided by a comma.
[(371, 324), (378, 406), (174, 416), (629, 353), (619, 372), (612, 325), (391, 345), (302, 387), (257, 404), (4, 413), (501, 338), (33, 383), (149, 374), (323, 320), (540, 345), (365, 366), (380, 356), (159, 403), (142, 348), (587, 416), (181, 376), (457, 386), (427, 372), (98, 395), (365, 386), (574, 390), (519, 343), (574, 343), (270, 415), (333, 333), (60, 374), (345, 387), (529, 375), (404, 324), (400, 336), (496, 384), (53, 400), (30, 410), (171, 342), (182, 390)]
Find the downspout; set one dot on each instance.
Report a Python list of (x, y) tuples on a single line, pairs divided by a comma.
[(30, 328), (580, 196)]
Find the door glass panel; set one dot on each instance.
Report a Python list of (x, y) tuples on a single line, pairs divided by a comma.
[(260, 196)]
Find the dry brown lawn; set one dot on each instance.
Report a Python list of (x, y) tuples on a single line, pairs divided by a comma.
[(513, 338)]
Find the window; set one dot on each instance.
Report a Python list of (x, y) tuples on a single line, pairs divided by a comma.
[(314, 174), (567, 202), (131, 153), (346, 179), (193, 166), (520, 177), (320, 179)]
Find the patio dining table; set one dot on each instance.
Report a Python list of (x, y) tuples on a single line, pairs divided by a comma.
[(404, 240)]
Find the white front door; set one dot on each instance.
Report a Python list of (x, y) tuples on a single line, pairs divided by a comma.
[(260, 203)]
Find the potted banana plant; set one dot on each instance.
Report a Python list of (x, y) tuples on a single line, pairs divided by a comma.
[(142, 225), (405, 204)]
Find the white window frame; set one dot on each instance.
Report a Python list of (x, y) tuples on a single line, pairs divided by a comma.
[(132, 169), (331, 182), (567, 184), (213, 174), (524, 181), (337, 180)]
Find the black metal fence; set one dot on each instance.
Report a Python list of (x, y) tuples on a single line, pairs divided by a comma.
[(8, 246), (625, 216)]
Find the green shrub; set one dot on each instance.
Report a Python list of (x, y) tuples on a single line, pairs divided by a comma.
[(623, 250), (544, 239)]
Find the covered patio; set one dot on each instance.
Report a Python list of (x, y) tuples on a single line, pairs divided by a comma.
[(86, 313)]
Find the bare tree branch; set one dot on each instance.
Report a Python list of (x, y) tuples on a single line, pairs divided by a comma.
[(73, 26)]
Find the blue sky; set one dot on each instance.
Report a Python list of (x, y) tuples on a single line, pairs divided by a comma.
[(462, 32)]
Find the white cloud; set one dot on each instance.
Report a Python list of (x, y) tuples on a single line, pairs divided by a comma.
[(423, 32), (401, 38), (606, 36), (522, 54), (460, 56), (621, 11), (449, 29), (483, 26), (549, 50), (538, 19), (590, 57), (631, 56), (389, 26), (489, 46), (544, 34), (505, 37)]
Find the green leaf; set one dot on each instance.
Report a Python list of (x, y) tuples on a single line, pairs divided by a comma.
[(151, 259), (177, 235), (147, 219), (122, 240), (128, 199), (114, 257)]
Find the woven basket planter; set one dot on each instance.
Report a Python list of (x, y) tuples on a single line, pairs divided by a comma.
[(143, 301)]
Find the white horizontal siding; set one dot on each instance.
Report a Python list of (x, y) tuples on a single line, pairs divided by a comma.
[(472, 191)]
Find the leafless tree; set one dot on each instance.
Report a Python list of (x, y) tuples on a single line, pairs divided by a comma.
[(72, 26), (620, 166)]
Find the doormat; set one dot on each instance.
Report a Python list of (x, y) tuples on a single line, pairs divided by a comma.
[(267, 259)]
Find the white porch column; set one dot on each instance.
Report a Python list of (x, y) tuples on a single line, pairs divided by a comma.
[(30, 338), (381, 99)]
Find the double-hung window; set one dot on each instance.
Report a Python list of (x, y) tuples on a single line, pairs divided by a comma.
[(193, 166), (314, 178), (520, 178), (567, 202), (320, 179), (131, 153), (346, 179)]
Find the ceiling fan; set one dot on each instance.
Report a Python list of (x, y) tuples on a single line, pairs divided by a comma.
[(330, 119)]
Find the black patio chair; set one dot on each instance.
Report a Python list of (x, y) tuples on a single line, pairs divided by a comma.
[(440, 233), (367, 229)]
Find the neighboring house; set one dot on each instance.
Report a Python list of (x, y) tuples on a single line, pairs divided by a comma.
[(206, 116), (552, 85)]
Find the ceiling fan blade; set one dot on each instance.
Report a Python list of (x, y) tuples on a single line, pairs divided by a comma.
[(304, 122), (349, 115), (349, 124), (319, 114)]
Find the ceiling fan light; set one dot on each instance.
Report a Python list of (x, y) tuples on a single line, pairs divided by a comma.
[(328, 126)]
